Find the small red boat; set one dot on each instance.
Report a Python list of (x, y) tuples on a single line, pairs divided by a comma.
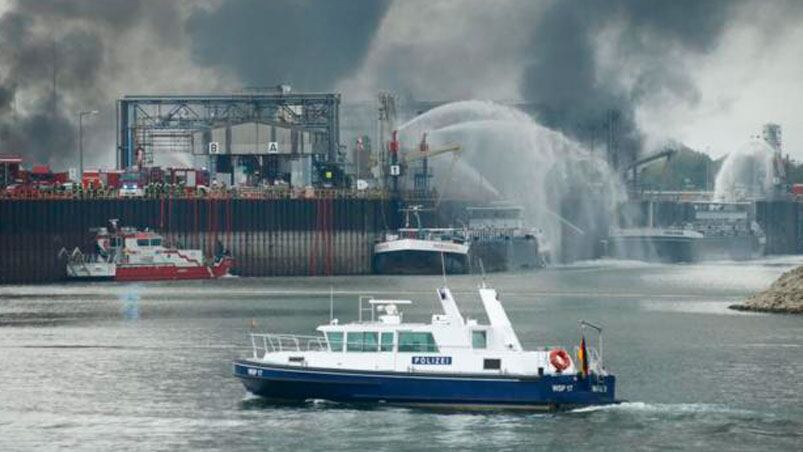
[(127, 254)]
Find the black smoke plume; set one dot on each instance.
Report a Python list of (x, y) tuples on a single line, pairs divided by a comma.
[(56, 59), (60, 57), (309, 44), (562, 77)]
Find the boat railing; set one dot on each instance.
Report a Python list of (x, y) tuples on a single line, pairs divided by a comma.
[(598, 329), (78, 258), (271, 343), (430, 233), (594, 360), (489, 233)]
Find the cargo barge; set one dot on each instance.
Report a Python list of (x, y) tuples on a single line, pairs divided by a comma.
[(415, 250), (712, 231), (502, 241)]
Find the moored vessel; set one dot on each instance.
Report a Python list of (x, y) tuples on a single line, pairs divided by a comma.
[(500, 239), (414, 249), (654, 244), (453, 361), (128, 254), (729, 231), (709, 231)]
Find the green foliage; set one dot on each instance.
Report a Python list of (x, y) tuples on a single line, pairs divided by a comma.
[(687, 169), (795, 173)]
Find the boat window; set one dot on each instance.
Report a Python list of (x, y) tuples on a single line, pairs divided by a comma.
[(370, 342), (416, 342), (115, 242), (354, 342), (387, 342), (335, 341), (492, 364), (143, 242), (362, 342), (479, 339), (156, 242)]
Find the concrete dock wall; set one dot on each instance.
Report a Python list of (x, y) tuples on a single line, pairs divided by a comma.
[(781, 221), (267, 237)]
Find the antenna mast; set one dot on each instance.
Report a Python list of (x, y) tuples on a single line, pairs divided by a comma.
[(331, 304), (443, 269)]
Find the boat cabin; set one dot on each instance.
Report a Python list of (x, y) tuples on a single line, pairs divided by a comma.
[(130, 239), (385, 331)]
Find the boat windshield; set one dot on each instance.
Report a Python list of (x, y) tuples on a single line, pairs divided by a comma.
[(335, 340)]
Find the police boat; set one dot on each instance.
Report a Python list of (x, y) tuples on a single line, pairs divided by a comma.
[(452, 362)]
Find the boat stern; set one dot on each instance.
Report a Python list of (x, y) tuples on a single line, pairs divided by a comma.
[(222, 267)]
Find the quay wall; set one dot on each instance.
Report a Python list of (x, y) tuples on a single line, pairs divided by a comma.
[(326, 236), (782, 222)]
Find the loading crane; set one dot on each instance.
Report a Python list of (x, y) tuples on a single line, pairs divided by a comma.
[(634, 166), (421, 180), (401, 161), (425, 152)]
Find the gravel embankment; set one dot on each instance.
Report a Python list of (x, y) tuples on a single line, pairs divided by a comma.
[(784, 295)]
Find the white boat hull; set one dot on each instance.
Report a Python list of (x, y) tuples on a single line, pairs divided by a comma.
[(414, 256)]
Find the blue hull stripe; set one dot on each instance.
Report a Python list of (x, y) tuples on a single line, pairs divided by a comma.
[(298, 383)]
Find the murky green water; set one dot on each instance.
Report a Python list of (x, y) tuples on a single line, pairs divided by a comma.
[(147, 366)]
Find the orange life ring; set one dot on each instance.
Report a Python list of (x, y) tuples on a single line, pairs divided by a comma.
[(560, 359)]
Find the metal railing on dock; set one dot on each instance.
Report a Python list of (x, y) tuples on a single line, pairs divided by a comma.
[(175, 192)]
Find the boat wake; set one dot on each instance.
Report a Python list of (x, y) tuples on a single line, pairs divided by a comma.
[(665, 408), (321, 403)]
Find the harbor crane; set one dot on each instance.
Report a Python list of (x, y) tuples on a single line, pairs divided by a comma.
[(639, 163), (402, 160)]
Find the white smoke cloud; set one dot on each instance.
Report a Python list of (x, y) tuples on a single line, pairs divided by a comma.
[(752, 77)]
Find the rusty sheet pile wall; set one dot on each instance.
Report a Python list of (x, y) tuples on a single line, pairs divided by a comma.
[(323, 236)]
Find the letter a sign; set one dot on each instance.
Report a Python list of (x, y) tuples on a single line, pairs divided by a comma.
[(273, 147)]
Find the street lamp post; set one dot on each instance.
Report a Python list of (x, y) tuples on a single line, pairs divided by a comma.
[(81, 115)]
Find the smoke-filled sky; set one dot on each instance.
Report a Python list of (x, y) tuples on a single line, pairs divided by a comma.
[(706, 73)]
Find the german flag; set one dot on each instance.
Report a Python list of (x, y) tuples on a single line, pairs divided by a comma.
[(582, 356)]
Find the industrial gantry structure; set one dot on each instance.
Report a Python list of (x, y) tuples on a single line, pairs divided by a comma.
[(266, 130)]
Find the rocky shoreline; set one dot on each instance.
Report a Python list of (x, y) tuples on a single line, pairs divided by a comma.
[(784, 295)]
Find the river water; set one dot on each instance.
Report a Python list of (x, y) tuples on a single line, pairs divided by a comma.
[(148, 366)]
